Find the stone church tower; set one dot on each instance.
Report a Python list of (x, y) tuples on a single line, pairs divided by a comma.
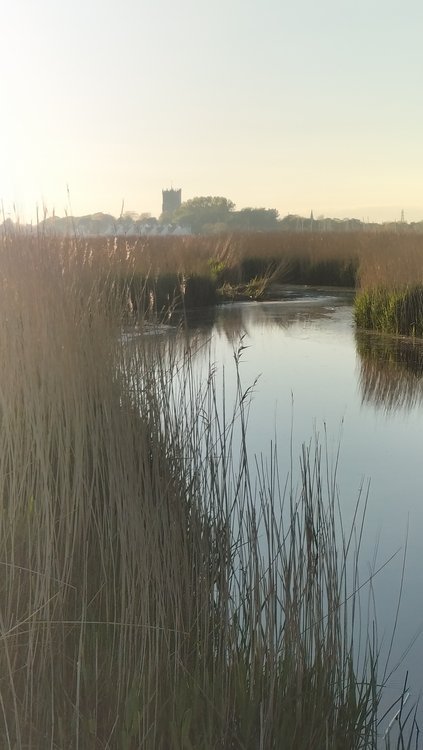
[(171, 200)]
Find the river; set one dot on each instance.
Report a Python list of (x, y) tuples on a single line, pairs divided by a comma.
[(361, 394)]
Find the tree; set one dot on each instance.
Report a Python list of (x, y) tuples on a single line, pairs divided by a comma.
[(255, 219), (203, 211), (146, 219)]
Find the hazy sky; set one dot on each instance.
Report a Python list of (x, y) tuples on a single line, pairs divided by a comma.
[(295, 106)]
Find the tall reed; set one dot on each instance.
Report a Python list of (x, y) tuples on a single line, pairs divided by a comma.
[(149, 597)]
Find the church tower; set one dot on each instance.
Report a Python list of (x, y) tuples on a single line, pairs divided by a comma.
[(171, 200)]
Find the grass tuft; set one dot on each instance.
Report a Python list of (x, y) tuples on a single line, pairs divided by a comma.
[(391, 310)]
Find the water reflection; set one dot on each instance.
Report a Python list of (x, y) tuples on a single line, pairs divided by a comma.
[(234, 320), (391, 371), (306, 351)]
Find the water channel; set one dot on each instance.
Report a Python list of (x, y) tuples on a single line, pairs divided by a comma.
[(362, 394)]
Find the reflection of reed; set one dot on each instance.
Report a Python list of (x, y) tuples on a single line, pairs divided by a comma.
[(391, 370), (234, 320), (225, 320), (231, 322)]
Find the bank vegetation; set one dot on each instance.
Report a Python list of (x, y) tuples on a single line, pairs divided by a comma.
[(152, 594)]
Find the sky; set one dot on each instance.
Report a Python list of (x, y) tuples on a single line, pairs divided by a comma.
[(295, 106)]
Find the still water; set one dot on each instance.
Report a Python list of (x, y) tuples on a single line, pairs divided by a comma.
[(362, 395)]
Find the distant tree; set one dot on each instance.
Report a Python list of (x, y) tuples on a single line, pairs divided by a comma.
[(146, 219), (203, 212), (255, 219)]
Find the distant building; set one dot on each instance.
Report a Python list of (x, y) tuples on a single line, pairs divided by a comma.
[(172, 200)]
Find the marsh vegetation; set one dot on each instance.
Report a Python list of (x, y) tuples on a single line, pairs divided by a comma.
[(152, 595), (161, 273)]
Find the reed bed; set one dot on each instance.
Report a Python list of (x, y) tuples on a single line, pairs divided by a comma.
[(196, 271), (153, 595), (163, 273), (397, 310), (390, 297), (362, 259)]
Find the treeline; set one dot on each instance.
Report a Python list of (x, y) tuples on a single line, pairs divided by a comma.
[(206, 215)]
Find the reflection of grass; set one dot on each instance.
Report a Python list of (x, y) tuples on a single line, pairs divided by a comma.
[(391, 372), (148, 598)]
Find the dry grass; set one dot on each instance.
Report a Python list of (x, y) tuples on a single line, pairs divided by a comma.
[(347, 259), (391, 261), (362, 259), (390, 298), (149, 597), (369, 259)]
